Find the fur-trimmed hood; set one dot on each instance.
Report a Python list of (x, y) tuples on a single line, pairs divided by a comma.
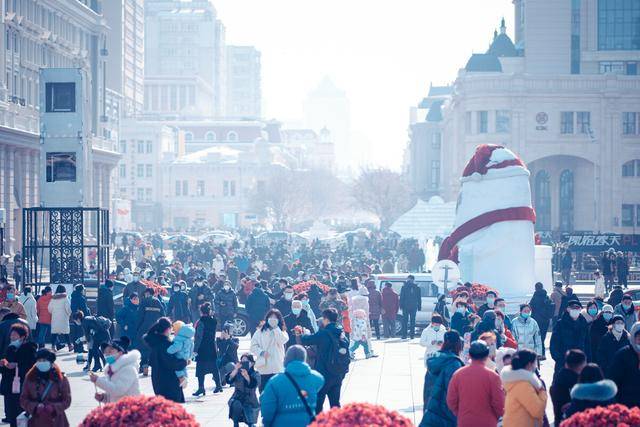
[(509, 376), (601, 391), (130, 358), (55, 374)]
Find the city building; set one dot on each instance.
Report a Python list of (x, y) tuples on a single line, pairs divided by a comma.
[(312, 150), (566, 98), (145, 147), (327, 106), (46, 34), (425, 144), (125, 49), (244, 94), (184, 46)]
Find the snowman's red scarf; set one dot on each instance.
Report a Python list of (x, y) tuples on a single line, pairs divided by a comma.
[(449, 248)]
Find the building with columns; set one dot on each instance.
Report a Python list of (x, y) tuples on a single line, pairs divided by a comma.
[(566, 98), (35, 35)]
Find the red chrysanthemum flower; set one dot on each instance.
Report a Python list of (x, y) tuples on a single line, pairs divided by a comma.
[(140, 411), (611, 416), (363, 415)]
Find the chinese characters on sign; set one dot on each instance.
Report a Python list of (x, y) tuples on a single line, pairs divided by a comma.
[(602, 242)]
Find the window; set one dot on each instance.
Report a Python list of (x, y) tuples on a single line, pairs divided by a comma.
[(543, 201), (503, 121), (140, 194), (436, 140), (140, 169), (232, 136), (229, 188), (566, 200), (632, 69), (467, 122), (435, 174), (200, 188), (140, 147), (483, 121), (185, 188), (147, 194), (61, 167), (149, 171), (575, 36), (178, 187), (210, 136), (60, 97), (627, 215), (618, 25), (566, 122), (583, 119), (149, 146), (630, 123), (123, 171), (631, 169), (188, 136), (123, 146)]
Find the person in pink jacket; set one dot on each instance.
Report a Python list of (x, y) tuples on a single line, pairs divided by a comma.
[(475, 395)]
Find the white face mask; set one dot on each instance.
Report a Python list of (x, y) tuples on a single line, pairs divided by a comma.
[(574, 313), (288, 296), (273, 322), (618, 327)]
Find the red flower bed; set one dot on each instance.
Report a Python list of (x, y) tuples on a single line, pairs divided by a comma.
[(139, 411), (613, 415), (362, 415), (477, 291), (301, 287), (159, 290)]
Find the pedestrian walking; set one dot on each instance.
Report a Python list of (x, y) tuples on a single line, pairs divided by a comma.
[(178, 305), (432, 337), (625, 369), (226, 303), (29, 303), (613, 340), (390, 307), (257, 306), (267, 344), (410, 302), (556, 297), (526, 331), (564, 380), (570, 333), (12, 303), (591, 391), (375, 307), (526, 396), (121, 373), (627, 310), (60, 309), (127, 319), (542, 311), (44, 317), (150, 311), (206, 351)]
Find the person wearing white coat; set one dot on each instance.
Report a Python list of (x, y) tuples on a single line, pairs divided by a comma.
[(432, 337), (599, 289), (121, 374), (60, 309), (267, 344), (29, 303)]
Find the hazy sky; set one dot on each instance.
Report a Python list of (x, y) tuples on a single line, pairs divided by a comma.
[(382, 53)]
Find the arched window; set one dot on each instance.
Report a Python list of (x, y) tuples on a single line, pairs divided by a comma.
[(631, 169), (543, 201), (232, 136), (210, 136), (188, 136), (566, 200)]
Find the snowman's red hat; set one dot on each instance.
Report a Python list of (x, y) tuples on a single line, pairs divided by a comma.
[(491, 156)]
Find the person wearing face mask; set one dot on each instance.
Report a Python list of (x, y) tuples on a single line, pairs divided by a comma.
[(199, 294), (333, 300), (590, 312), (432, 337), (150, 311), (133, 285), (243, 404), (570, 332), (460, 319), (487, 324), (526, 331), (615, 339), (257, 306), (121, 375), (60, 309), (267, 344), (206, 350), (11, 302), (598, 326), (627, 310), (178, 306), (297, 317), (526, 395), (18, 360), (624, 369), (46, 393), (306, 306), (127, 318), (284, 304), (29, 303), (226, 303), (490, 304)]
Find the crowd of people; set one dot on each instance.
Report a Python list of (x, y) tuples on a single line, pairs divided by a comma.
[(310, 309)]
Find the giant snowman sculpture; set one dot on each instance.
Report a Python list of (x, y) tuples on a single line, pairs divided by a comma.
[(493, 236)]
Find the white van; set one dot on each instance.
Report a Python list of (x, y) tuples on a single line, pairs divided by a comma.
[(429, 293)]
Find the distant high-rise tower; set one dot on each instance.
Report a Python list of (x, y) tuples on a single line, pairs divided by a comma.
[(125, 48), (244, 93), (327, 106)]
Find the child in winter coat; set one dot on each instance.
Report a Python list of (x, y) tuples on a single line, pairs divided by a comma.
[(182, 347), (360, 333)]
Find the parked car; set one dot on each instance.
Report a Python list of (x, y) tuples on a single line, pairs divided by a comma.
[(429, 293)]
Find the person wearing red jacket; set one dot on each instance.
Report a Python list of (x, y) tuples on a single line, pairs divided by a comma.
[(44, 316), (475, 394), (390, 307)]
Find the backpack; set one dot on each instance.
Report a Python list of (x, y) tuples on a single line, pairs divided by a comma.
[(339, 358)]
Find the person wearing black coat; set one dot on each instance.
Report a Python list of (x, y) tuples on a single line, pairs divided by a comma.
[(79, 301), (284, 303), (163, 365), (591, 391), (227, 346), (597, 329), (315, 295), (8, 321), (104, 303), (410, 303), (564, 380), (569, 333), (96, 332), (199, 294), (566, 299), (610, 343), (178, 306), (615, 297), (226, 303), (205, 349), (541, 311), (624, 369), (21, 354), (149, 311), (257, 306), (297, 317)]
